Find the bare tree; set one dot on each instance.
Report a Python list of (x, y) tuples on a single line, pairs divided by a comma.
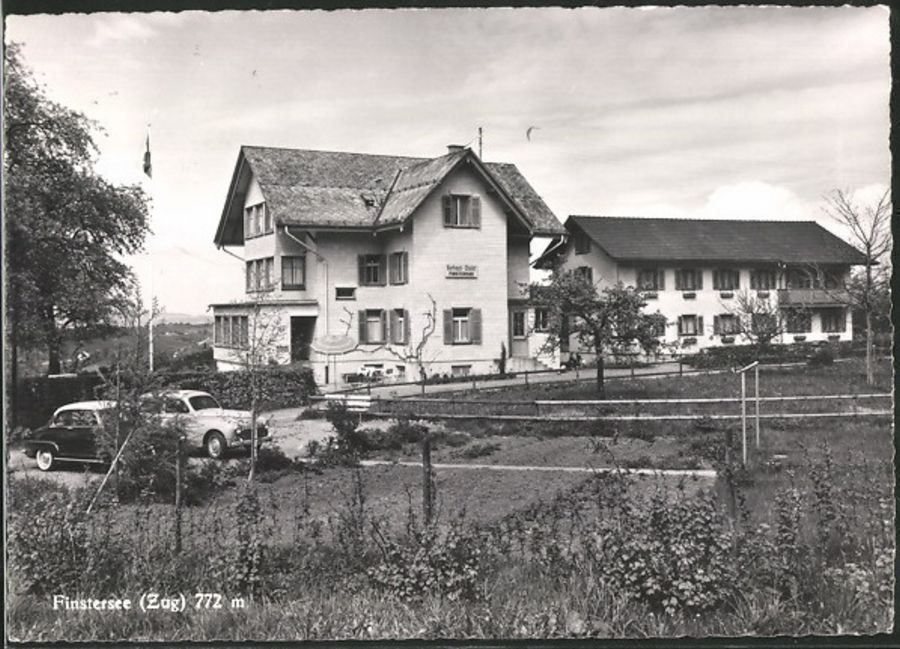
[(870, 231), (411, 352), (758, 319)]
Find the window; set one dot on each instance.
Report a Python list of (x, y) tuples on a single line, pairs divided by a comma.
[(345, 293), (257, 221), (585, 274), (726, 279), (798, 321), (399, 327), (833, 320), (462, 211), (762, 280), (582, 243), (541, 320), (372, 326), (651, 279), (799, 278), (231, 331), (689, 279), (218, 331), (462, 326), (690, 325), (399, 268), (260, 274), (726, 324), (175, 406), (372, 270), (293, 272), (518, 324), (460, 370), (203, 402)]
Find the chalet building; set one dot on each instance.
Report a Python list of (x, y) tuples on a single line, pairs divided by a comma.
[(695, 272), (365, 254)]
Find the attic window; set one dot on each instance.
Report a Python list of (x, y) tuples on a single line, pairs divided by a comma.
[(462, 211), (582, 243)]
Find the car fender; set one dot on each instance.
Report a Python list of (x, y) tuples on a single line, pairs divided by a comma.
[(32, 446)]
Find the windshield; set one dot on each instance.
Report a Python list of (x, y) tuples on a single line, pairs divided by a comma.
[(203, 402)]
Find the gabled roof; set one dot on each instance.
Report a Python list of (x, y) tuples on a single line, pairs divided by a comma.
[(640, 239), (329, 189)]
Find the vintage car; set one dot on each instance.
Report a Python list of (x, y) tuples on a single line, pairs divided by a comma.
[(207, 426), (70, 436)]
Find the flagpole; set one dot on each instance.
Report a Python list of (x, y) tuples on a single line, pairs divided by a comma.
[(148, 170)]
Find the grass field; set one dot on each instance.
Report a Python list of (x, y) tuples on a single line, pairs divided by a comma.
[(801, 542)]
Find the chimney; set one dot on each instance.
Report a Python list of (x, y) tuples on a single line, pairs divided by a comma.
[(455, 148)]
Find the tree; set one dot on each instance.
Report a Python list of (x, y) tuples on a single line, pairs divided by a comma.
[(758, 319), (607, 320), (870, 232), (66, 227)]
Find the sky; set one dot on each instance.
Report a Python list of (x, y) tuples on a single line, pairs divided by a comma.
[(712, 112)]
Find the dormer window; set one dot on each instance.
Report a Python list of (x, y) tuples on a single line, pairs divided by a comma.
[(462, 211), (582, 243), (257, 221)]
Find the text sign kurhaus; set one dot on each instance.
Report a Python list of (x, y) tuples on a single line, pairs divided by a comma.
[(462, 271)]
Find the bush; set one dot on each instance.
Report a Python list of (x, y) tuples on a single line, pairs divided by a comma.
[(477, 449), (821, 357), (283, 387)]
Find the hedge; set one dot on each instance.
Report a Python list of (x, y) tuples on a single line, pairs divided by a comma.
[(37, 397), (283, 387), (722, 357)]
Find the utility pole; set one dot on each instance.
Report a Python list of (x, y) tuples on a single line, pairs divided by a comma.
[(480, 154)]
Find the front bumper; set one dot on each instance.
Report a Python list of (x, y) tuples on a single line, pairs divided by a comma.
[(243, 438)]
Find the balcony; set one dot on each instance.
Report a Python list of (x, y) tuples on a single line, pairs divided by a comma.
[(813, 297)]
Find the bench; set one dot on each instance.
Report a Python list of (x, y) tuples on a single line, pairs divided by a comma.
[(354, 402)]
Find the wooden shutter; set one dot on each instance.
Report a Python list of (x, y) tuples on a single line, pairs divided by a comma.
[(661, 279), (679, 284), (448, 326), (699, 325), (384, 327), (394, 326), (407, 328), (717, 324), (717, 280), (249, 276), (475, 215), (680, 321), (475, 326), (361, 263), (362, 327), (382, 270), (699, 275), (448, 209)]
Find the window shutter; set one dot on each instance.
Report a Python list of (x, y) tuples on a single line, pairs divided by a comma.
[(661, 279), (361, 263), (362, 327), (699, 275), (736, 276), (475, 326), (717, 280), (382, 270), (448, 209), (679, 284), (394, 327), (717, 324), (384, 327), (680, 322), (448, 326), (406, 328), (699, 325), (476, 211), (249, 275), (404, 260)]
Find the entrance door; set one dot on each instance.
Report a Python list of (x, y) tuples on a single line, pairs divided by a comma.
[(302, 328), (518, 333)]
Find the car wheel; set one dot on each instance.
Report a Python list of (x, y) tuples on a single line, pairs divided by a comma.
[(45, 459), (216, 445)]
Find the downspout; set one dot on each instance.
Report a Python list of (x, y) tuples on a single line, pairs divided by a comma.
[(288, 232)]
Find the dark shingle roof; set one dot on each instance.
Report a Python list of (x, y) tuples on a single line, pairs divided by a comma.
[(336, 189), (629, 238)]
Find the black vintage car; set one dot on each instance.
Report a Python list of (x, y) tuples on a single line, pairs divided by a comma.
[(70, 436)]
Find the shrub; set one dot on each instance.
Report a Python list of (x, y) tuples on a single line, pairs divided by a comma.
[(673, 556), (821, 357), (432, 563), (283, 387), (477, 449)]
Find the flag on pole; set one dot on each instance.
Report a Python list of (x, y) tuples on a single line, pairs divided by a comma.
[(148, 168)]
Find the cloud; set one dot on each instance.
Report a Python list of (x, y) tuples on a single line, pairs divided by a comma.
[(120, 28)]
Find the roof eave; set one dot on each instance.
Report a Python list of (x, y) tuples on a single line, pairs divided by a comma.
[(219, 239)]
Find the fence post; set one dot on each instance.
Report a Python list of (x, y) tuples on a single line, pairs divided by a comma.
[(680, 369), (744, 414), (756, 376), (178, 481), (426, 478), (526, 378)]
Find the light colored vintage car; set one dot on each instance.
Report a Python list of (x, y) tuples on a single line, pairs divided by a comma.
[(208, 426)]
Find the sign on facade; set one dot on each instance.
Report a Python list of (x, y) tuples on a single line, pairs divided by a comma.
[(462, 271)]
